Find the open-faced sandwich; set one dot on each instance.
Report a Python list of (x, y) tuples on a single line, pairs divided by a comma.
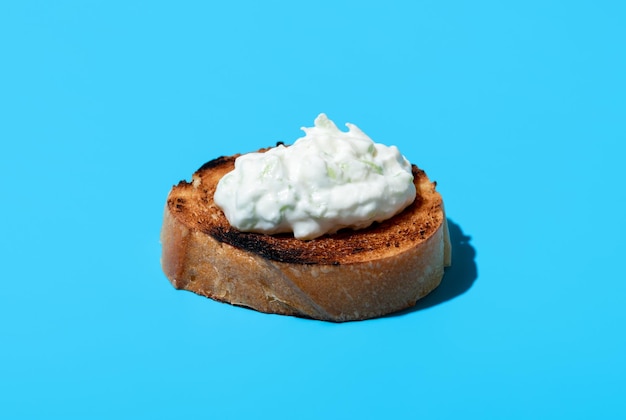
[(334, 227)]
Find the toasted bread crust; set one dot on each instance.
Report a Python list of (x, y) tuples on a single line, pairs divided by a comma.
[(349, 275)]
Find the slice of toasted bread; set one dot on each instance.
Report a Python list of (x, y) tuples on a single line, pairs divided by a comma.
[(350, 275)]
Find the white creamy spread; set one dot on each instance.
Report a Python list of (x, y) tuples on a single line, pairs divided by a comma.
[(327, 180)]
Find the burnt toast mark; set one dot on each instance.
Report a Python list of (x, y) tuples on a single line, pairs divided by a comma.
[(267, 247), (215, 163), (177, 204)]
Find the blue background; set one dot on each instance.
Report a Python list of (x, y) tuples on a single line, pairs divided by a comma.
[(517, 109)]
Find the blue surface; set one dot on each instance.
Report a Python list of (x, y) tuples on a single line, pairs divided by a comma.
[(517, 110)]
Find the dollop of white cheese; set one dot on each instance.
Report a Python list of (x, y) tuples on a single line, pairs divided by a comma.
[(327, 180)]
